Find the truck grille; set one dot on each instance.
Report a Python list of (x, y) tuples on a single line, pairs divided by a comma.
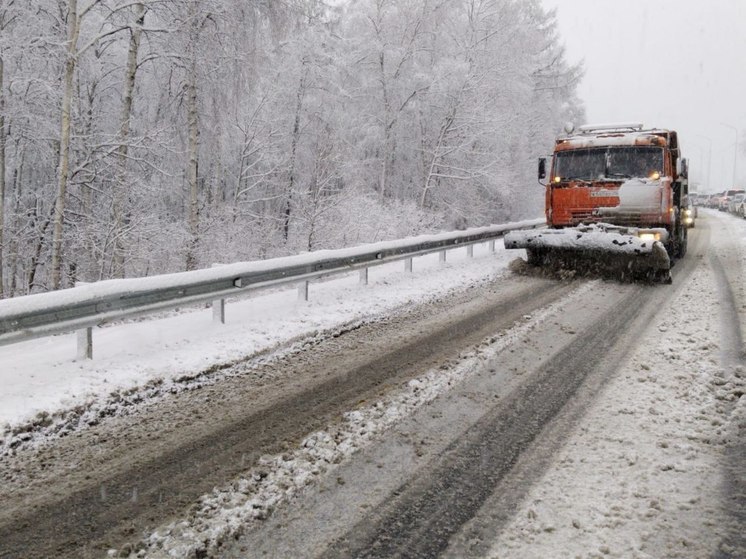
[(626, 218)]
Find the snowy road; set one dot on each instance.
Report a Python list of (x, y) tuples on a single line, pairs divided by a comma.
[(520, 417)]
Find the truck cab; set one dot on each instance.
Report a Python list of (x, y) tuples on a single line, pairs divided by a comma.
[(618, 174)]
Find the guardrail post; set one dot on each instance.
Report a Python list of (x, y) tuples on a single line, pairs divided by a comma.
[(84, 336), (85, 343), (408, 265), (303, 291), (492, 245), (364, 276), (218, 306), (470, 251), (218, 311), (442, 256)]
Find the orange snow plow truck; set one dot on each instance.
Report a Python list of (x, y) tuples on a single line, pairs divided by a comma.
[(615, 200)]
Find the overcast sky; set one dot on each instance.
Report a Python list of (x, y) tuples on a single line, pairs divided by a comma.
[(677, 64)]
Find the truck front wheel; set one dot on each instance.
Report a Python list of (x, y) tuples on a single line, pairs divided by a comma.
[(677, 245)]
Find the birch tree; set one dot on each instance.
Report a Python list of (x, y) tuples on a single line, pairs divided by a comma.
[(75, 18), (8, 15), (3, 25), (73, 31), (195, 22), (397, 33), (124, 133), (150, 136)]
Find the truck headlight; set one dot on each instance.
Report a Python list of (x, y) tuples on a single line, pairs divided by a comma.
[(650, 236)]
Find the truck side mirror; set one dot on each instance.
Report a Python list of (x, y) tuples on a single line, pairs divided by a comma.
[(542, 168), (682, 168)]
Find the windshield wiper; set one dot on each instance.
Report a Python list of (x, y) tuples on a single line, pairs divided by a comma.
[(619, 175)]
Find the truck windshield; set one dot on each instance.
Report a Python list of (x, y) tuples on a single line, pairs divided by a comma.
[(613, 163)]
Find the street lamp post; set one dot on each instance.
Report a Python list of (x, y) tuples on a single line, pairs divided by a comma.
[(735, 151)]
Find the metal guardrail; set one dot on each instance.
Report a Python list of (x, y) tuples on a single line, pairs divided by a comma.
[(83, 307)]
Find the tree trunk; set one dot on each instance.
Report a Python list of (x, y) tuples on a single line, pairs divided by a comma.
[(124, 130), (294, 145), (37, 255), (73, 28), (87, 225), (16, 227), (445, 127), (387, 128), (193, 150), (2, 177)]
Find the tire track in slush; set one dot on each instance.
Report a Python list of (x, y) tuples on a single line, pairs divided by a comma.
[(424, 514), (82, 523), (732, 356)]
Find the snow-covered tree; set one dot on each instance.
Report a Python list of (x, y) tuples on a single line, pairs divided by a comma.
[(148, 136)]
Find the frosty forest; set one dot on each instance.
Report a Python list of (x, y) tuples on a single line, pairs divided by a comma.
[(153, 136)]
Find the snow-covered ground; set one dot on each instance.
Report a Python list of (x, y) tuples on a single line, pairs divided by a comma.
[(642, 477), (43, 375)]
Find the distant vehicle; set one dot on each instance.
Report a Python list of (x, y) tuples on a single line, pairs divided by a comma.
[(715, 200), (690, 213), (724, 201), (699, 200), (736, 204)]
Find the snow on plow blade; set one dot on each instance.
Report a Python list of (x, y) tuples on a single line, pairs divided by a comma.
[(603, 249)]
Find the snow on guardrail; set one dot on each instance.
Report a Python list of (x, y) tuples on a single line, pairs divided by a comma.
[(87, 305)]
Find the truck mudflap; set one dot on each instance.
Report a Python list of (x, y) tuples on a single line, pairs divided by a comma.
[(607, 250)]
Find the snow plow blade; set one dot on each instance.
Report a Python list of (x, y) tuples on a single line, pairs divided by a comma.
[(605, 250)]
